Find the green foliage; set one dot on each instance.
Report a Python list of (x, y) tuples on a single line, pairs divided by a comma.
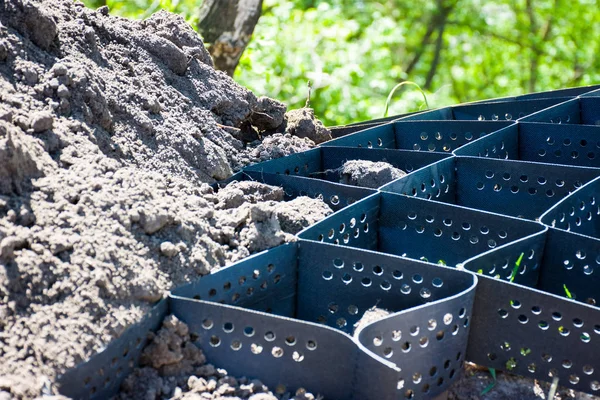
[(355, 51)]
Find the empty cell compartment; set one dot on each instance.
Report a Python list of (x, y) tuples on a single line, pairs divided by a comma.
[(327, 163), (548, 330), (312, 342), (336, 196), (581, 110), (420, 135), (517, 188), (579, 212), (567, 144), (419, 229), (494, 111), (571, 266)]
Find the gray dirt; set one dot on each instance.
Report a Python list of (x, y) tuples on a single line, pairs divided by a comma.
[(475, 379), (276, 146), (173, 367), (373, 314), (302, 123), (110, 131), (368, 174)]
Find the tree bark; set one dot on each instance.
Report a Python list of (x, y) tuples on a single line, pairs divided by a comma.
[(227, 26)]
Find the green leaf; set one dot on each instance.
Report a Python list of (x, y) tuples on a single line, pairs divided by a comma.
[(491, 385), (516, 267), (567, 291)]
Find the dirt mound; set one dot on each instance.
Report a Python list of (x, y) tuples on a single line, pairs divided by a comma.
[(110, 130), (172, 367), (368, 174)]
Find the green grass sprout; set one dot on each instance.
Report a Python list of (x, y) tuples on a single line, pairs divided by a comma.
[(516, 267), (567, 291), (398, 86), (491, 385)]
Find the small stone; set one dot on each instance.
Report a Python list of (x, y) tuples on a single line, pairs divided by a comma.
[(168, 249), (104, 10), (31, 76), (63, 91), (41, 121), (59, 69)]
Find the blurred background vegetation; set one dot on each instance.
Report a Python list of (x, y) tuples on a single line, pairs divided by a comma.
[(355, 51)]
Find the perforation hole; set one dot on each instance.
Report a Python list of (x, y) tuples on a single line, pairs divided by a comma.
[(347, 278), (227, 327), (277, 352), (215, 341), (256, 348), (405, 289), (297, 356), (236, 345)]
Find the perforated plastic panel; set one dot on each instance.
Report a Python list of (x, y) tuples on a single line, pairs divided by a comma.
[(494, 185), (419, 229), (419, 348), (579, 212), (421, 135), (287, 315), (581, 110), (101, 376), (495, 111), (567, 144)]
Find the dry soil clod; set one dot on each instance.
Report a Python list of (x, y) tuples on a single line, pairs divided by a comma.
[(368, 174)]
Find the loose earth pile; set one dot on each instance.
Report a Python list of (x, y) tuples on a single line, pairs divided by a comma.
[(110, 132)]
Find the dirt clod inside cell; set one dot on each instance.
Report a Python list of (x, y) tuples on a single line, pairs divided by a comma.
[(368, 174), (173, 367), (373, 314)]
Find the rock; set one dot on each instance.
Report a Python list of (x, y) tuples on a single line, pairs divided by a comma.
[(268, 114), (41, 121), (153, 221), (59, 69), (168, 249), (103, 10)]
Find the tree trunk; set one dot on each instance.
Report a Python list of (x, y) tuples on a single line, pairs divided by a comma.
[(227, 27)]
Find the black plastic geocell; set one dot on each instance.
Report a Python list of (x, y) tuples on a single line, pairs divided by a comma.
[(487, 251)]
